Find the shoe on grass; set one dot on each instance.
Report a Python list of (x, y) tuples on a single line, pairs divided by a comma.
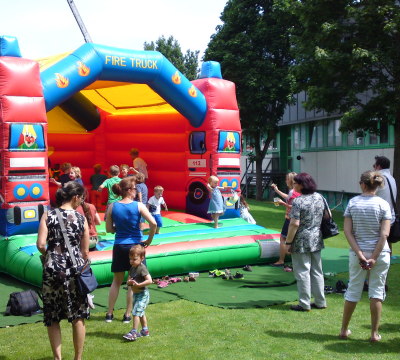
[(131, 335), (109, 318), (143, 333), (298, 308), (315, 306), (126, 319)]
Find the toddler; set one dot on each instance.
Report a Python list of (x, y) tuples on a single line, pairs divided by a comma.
[(75, 175), (244, 210), (216, 206), (96, 180), (154, 206), (138, 279), (108, 184)]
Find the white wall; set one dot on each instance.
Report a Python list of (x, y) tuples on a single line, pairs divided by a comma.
[(341, 170)]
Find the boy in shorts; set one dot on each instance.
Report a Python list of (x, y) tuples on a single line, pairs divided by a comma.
[(154, 206), (138, 279)]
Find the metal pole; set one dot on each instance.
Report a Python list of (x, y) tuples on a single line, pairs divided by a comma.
[(79, 20)]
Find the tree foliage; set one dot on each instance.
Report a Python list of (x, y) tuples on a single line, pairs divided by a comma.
[(253, 46), (187, 64), (348, 60)]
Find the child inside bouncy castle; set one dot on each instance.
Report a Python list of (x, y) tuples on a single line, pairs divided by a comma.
[(142, 193), (108, 184), (124, 171), (76, 175), (96, 180), (64, 177), (216, 208), (154, 205)]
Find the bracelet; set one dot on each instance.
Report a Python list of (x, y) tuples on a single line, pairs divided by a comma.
[(286, 243)]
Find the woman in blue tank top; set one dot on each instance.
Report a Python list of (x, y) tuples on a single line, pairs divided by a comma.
[(123, 219)]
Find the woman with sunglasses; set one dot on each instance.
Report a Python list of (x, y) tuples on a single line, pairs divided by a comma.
[(123, 219)]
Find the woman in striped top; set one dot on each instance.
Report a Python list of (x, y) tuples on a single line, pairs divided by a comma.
[(367, 226)]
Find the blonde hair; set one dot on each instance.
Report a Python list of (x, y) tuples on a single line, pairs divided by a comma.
[(372, 180), (158, 188), (140, 178), (114, 170), (97, 168), (124, 166), (77, 171), (290, 177), (212, 178), (137, 249)]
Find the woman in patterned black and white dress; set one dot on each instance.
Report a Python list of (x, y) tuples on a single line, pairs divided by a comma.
[(61, 298)]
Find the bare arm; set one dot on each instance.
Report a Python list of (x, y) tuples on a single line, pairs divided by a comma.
[(97, 220), (42, 234), (109, 221), (147, 281), (54, 181), (348, 232), (85, 241), (280, 193), (384, 233), (293, 226), (152, 223)]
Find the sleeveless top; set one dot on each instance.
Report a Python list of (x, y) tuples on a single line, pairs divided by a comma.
[(126, 218)]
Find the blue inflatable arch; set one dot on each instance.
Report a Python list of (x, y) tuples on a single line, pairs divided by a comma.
[(92, 62)]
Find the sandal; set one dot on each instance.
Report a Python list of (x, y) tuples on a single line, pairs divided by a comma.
[(247, 268), (238, 275), (163, 284), (328, 289)]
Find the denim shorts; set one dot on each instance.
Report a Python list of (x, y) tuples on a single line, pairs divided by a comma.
[(158, 219), (285, 228), (140, 302)]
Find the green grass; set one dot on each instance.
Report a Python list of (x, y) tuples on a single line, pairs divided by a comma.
[(187, 330)]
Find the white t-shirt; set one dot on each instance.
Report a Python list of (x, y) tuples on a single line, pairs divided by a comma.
[(367, 213), (157, 203), (140, 165)]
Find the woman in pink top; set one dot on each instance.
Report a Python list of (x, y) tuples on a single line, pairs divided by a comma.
[(289, 197)]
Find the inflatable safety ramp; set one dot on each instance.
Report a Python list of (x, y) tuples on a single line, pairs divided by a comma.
[(23, 153)]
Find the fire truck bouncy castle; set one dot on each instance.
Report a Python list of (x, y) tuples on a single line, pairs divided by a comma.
[(92, 106)]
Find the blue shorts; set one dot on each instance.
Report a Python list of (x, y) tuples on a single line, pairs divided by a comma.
[(158, 219), (140, 302), (285, 228)]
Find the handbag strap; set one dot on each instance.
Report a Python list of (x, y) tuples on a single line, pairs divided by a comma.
[(66, 240), (391, 194), (326, 206)]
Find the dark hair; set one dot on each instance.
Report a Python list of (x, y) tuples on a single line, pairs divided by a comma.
[(68, 191), (372, 180), (86, 208), (243, 201), (307, 182), (382, 161), (122, 188)]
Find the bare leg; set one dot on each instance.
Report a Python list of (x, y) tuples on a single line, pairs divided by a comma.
[(136, 321), (349, 307), (376, 311), (143, 321), (215, 218), (54, 333), (114, 290), (129, 301), (78, 335), (282, 251), (157, 230)]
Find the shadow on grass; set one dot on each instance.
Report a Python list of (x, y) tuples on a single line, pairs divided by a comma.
[(105, 335), (351, 346)]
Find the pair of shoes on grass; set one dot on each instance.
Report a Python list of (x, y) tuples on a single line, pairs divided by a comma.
[(125, 319), (133, 334), (228, 275)]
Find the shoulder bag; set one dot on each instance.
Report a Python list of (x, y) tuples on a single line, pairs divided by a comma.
[(394, 235), (328, 225), (25, 303), (85, 279)]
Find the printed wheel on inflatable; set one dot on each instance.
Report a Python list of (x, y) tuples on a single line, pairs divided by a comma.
[(198, 192)]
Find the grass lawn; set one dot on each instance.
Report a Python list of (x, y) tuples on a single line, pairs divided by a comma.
[(187, 330)]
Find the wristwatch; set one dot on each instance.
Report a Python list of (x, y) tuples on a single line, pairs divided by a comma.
[(286, 243)]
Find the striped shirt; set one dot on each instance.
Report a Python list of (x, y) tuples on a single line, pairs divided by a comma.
[(367, 213)]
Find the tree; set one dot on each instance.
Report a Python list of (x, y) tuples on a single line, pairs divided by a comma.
[(347, 48), (187, 64), (253, 46)]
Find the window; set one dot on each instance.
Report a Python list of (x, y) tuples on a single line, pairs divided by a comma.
[(27, 137), (334, 135), (338, 134), (350, 138), (197, 142), (229, 141), (384, 133)]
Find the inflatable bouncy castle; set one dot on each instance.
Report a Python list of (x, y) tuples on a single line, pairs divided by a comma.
[(92, 106)]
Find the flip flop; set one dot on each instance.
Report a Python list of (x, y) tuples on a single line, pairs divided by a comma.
[(277, 265), (345, 337), (379, 337), (163, 284)]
